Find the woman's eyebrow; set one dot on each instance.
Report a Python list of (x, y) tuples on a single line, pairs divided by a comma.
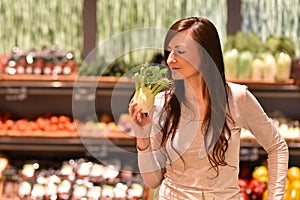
[(176, 46)]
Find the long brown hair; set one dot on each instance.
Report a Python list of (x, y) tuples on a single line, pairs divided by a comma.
[(205, 33)]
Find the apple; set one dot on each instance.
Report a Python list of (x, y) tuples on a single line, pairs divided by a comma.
[(244, 196)]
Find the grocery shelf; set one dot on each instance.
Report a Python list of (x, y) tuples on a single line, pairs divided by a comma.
[(77, 144), (105, 86), (61, 86), (274, 87), (20, 149), (43, 144), (21, 96)]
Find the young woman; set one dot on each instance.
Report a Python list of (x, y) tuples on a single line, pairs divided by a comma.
[(188, 145)]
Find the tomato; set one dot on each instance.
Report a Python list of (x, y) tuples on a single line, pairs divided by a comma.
[(244, 196)]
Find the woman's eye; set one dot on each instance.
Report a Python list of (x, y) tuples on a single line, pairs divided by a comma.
[(180, 51)]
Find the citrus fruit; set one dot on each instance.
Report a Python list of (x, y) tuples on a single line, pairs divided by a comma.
[(260, 173), (293, 173)]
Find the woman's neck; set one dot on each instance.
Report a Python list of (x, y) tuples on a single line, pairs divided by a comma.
[(194, 98)]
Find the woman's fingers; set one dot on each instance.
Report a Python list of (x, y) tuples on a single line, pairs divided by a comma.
[(131, 107), (136, 114), (133, 112)]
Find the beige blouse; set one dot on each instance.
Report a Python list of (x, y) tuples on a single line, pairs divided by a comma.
[(182, 169)]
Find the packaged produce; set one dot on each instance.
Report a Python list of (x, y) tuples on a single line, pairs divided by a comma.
[(47, 61), (257, 68), (270, 66), (244, 64), (230, 63), (284, 64)]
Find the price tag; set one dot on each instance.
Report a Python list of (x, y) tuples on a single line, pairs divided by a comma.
[(249, 154), (16, 94), (84, 94), (99, 151)]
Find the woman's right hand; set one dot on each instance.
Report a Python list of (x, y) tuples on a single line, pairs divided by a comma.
[(141, 125), (137, 116)]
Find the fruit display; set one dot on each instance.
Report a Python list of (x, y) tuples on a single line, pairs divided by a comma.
[(289, 129), (107, 127), (50, 125), (74, 179), (118, 68), (47, 61), (47, 125), (256, 187), (248, 57)]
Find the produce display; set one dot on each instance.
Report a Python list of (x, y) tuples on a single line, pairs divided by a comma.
[(248, 57), (118, 68), (75, 179), (51, 125), (289, 129), (47, 61), (41, 126), (256, 187)]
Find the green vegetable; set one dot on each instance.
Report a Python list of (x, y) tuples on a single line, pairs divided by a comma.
[(280, 44), (257, 68), (149, 81), (203, 196), (273, 43), (284, 62), (287, 45), (255, 43), (244, 64), (241, 41), (230, 63), (269, 69)]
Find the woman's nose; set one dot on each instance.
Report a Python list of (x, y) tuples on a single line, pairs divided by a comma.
[(171, 59)]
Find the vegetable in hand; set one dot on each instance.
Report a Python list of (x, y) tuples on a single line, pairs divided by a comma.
[(149, 81)]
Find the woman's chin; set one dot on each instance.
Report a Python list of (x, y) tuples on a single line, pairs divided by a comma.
[(177, 76)]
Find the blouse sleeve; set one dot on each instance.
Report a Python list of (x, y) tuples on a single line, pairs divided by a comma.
[(152, 160), (260, 125)]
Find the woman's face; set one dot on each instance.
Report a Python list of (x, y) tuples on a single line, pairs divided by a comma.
[(184, 58)]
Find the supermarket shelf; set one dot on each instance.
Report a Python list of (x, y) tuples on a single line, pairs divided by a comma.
[(48, 86), (109, 81), (50, 92), (294, 146), (77, 144), (103, 85), (43, 144), (249, 81)]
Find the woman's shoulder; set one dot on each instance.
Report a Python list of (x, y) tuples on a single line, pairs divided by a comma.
[(236, 92)]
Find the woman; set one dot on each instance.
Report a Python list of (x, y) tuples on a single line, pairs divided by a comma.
[(188, 145)]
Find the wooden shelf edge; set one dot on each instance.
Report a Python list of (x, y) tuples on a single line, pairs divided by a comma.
[(263, 82), (112, 136), (112, 79), (64, 78), (65, 135), (251, 140)]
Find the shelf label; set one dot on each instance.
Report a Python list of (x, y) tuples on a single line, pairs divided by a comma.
[(84, 94), (249, 154), (98, 151), (16, 94)]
